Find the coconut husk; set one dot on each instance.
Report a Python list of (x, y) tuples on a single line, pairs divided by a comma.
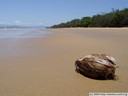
[(97, 66)]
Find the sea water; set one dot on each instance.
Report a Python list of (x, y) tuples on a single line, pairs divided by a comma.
[(16, 42), (22, 33)]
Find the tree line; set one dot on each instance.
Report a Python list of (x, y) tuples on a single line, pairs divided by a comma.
[(115, 18)]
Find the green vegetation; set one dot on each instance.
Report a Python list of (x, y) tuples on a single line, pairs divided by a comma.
[(115, 18)]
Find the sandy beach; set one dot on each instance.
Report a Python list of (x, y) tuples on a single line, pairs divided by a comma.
[(45, 66)]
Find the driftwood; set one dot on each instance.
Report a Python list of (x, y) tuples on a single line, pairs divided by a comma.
[(97, 66)]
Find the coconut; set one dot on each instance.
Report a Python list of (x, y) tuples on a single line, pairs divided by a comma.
[(97, 66)]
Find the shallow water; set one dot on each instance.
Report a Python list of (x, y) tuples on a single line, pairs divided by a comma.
[(20, 33), (16, 42)]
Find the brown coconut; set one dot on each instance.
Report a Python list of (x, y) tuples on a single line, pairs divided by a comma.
[(97, 66)]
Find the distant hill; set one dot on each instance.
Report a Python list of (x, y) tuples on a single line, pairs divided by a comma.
[(115, 18), (20, 26)]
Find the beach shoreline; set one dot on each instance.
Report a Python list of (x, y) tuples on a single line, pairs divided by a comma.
[(46, 66)]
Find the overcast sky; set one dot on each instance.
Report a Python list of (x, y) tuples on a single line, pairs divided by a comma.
[(49, 12)]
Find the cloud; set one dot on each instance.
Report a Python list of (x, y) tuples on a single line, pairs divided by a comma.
[(2, 22), (17, 21), (21, 23), (40, 23)]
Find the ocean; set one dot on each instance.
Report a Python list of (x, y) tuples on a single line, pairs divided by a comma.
[(22, 33), (16, 42)]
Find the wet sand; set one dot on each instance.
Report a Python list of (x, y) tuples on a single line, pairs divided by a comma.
[(45, 66)]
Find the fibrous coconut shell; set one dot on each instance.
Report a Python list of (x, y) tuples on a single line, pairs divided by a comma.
[(97, 66)]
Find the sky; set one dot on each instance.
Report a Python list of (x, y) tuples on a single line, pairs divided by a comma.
[(50, 12)]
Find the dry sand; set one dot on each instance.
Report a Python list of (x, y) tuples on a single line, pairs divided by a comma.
[(45, 66)]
